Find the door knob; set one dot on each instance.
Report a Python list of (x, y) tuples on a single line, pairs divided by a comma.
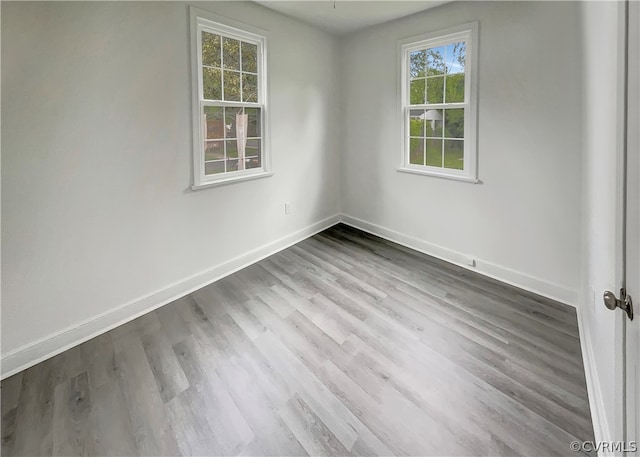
[(624, 302)]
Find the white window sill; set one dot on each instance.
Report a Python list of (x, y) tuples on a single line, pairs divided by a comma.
[(439, 175), (231, 179)]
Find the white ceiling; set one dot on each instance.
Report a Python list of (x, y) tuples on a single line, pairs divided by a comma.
[(349, 15)]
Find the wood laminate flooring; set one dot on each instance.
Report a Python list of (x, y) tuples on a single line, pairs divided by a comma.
[(344, 344)]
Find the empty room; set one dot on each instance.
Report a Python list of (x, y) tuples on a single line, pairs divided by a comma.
[(291, 228)]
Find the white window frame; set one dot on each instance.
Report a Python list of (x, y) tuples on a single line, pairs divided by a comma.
[(469, 34), (204, 21)]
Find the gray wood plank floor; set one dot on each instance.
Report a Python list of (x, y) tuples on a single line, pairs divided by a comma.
[(343, 344)]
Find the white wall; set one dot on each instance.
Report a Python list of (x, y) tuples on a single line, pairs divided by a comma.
[(602, 123), (97, 213), (522, 223)]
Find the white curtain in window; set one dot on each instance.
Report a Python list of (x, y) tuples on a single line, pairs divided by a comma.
[(241, 131)]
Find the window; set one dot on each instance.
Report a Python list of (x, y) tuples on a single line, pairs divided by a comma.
[(438, 104), (229, 104)]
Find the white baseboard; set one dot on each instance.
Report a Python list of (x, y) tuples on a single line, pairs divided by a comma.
[(51, 345), (601, 428), (507, 275)]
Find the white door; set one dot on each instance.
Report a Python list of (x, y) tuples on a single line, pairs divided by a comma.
[(632, 327), (612, 247), (602, 331)]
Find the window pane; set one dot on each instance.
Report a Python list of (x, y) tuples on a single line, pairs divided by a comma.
[(213, 150), (232, 165), (434, 153), (455, 57), (454, 123), (214, 125), (254, 120), (433, 122), (249, 88), (455, 88), (231, 86), (454, 154), (252, 148), (417, 64), (253, 162), (210, 49), (249, 57), (416, 122), (416, 151), (435, 89), (416, 92), (211, 85), (253, 154), (212, 168), (232, 149), (230, 121), (231, 53), (435, 61)]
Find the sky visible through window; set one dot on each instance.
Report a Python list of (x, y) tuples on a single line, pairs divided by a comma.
[(440, 60)]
